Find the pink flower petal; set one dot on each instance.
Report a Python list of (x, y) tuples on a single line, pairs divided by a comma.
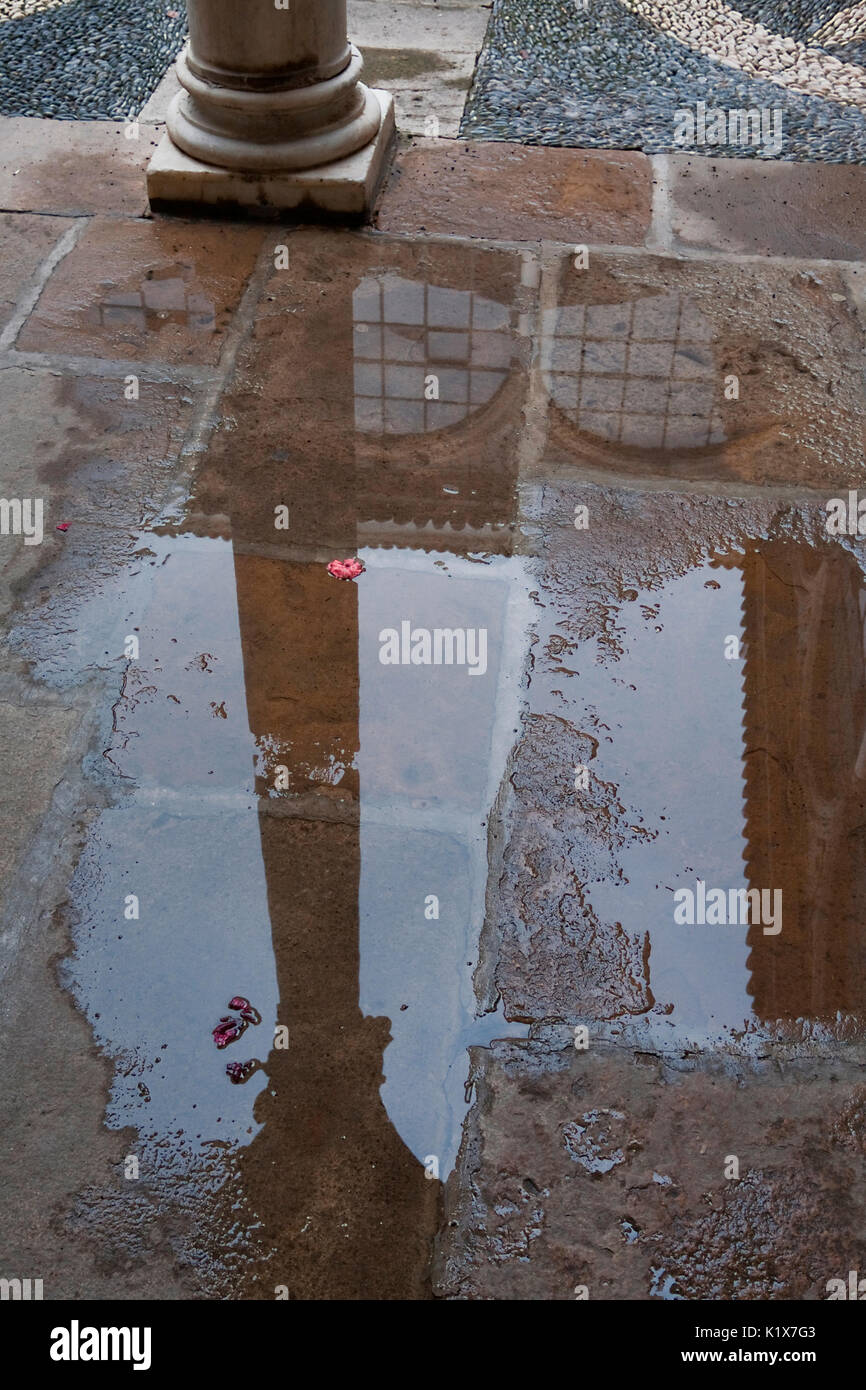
[(245, 1009), (346, 569)]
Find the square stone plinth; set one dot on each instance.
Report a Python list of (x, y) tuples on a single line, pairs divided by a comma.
[(344, 189)]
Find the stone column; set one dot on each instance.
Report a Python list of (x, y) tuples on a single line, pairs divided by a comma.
[(272, 113)]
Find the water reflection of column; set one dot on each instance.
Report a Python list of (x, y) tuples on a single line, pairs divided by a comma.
[(805, 721), (342, 1201), (355, 448)]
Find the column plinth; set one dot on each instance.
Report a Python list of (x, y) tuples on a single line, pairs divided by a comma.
[(272, 113)]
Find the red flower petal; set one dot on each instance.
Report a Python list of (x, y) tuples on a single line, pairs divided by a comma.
[(239, 1071), (346, 569), (227, 1031)]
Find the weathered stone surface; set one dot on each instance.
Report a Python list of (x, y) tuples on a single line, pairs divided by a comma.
[(76, 444), (24, 244), (606, 1169), (518, 193), (155, 291), (556, 958), (383, 315), (73, 167), (704, 370), (32, 747), (768, 208)]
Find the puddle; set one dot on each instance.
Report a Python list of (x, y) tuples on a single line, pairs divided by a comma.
[(658, 369), (301, 821), (434, 743), (164, 936), (426, 356), (727, 711), (641, 374), (432, 747), (163, 297), (320, 849), (296, 778)]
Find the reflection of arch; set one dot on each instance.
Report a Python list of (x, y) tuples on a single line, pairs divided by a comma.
[(634, 388), (805, 776), (716, 462), (403, 482), (448, 466)]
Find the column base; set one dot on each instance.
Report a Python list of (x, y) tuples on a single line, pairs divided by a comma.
[(343, 190)]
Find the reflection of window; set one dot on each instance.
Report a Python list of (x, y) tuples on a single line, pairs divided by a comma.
[(159, 298), (406, 332), (640, 373)]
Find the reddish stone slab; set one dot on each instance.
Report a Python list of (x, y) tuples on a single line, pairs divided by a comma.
[(601, 1174), (519, 193), (154, 291)]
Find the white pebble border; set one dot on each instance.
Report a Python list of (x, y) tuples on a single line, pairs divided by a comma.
[(17, 9), (717, 31), (848, 26)]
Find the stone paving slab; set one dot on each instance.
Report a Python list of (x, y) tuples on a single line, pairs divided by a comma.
[(159, 290), (384, 24), (73, 168), (517, 193), (413, 70), (767, 209), (600, 1174), (26, 241), (362, 303), (158, 102), (676, 203), (76, 443), (33, 744), (425, 55), (715, 372)]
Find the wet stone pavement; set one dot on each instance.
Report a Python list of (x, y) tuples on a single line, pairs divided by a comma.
[(462, 846)]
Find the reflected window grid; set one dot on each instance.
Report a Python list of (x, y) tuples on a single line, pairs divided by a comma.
[(168, 298), (639, 372), (406, 330)]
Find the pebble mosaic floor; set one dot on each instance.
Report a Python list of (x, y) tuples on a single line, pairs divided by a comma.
[(614, 73), (85, 59)]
